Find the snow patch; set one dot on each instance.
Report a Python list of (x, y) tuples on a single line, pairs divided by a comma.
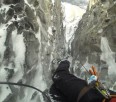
[(100, 31), (4, 89), (5, 92), (72, 12), (19, 49), (3, 34), (72, 16), (26, 1), (53, 1), (50, 30)]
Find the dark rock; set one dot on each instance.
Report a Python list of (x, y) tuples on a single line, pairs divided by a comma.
[(112, 9), (9, 30), (7, 98), (12, 6), (15, 23), (10, 12), (103, 0), (87, 38), (53, 29), (27, 26), (12, 1), (36, 3), (1, 18), (7, 1), (34, 95), (95, 48), (31, 23), (16, 1), (15, 16), (10, 72), (107, 20), (32, 46), (20, 29), (29, 12), (41, 15), (18, 8), (8, 54)]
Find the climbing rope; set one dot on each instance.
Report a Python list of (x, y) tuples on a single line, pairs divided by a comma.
[(19, 84)]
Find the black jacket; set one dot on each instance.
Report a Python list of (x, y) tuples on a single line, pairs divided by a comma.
[(66, 87)]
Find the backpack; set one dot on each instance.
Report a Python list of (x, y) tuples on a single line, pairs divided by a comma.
[(113, 99)]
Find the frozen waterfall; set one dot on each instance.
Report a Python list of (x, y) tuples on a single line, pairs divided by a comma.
[(108, 56)]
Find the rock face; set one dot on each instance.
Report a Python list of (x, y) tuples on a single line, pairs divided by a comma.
[(31, 37), (98, 22)]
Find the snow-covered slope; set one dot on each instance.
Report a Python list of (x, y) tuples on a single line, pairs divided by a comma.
[(72, 16)]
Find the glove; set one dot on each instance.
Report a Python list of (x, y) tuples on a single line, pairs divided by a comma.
[(93, 71), (94, 75), (92, 78)]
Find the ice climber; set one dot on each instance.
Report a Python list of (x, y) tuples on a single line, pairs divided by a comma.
[(68, 88)]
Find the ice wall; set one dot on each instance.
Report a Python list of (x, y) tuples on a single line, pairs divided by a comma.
[(30, 32), (108, 56)]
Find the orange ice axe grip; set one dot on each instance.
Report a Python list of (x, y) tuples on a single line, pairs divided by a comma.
[(94, 71)]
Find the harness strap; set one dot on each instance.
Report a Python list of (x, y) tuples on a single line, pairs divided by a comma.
[(83, 92)]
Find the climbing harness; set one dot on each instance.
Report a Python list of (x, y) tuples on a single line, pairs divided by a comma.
[(19, 84)]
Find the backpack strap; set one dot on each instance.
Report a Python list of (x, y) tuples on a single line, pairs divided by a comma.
[(83, 92)]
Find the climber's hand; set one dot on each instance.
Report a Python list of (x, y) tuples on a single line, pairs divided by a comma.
[(94, 75), (93, 71)]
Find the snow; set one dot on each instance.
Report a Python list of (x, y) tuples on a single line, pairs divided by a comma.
[(3, 34), (71, 28), (26, 1), (53, 1), (72, 12), (4, 89), (108, 56), (19, 50), (39, 78), (72, 16), (50, 30), (100, 31)]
